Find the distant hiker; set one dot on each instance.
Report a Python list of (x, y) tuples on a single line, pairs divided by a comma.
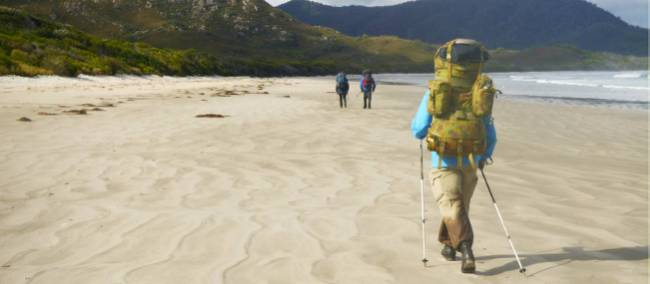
[(342, 87), (455, 118), (367, 86)]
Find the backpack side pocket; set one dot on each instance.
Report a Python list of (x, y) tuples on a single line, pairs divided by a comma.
[(440, 98), (483, 93)]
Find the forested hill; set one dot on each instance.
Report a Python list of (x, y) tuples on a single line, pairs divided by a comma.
[(510, 24), (261, 38), (30, 46), (225, 37)]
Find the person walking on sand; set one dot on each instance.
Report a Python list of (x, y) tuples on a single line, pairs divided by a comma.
[(342, 88), (455, 117), (367, 86)]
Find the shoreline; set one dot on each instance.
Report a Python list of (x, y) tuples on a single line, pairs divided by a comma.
[(51, 81), (586, 102)]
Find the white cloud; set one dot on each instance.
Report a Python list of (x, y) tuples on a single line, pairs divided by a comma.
[(634, 12)]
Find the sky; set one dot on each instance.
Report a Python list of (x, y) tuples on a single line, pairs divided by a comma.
[(634, 12)]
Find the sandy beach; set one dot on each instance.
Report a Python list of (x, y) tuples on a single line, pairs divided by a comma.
[(282, 186)]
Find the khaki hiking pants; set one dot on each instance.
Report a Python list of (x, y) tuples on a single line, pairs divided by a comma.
[(453, 189)]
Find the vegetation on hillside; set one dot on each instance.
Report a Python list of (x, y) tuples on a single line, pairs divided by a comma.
[(248, 37), (561, 57), (32, 46)]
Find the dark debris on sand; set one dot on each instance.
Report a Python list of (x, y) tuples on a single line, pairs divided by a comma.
[(212, 115), (103, 104), (24, 119), (77, 111)]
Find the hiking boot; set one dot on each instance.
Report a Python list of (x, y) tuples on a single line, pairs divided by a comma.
[(468, 264), (448, 253)]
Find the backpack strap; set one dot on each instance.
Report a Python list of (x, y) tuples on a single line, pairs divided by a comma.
[(450, 48), (471, 160), (442, 150), (480, 67), (459, 154)]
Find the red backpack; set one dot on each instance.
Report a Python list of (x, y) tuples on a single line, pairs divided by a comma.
[(367, 83)]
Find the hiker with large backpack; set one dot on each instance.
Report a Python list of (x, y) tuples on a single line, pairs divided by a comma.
[(342, 88), (454, 117), (367, 86)]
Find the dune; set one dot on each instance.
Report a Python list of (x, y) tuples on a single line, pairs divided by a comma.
[(299, 191)]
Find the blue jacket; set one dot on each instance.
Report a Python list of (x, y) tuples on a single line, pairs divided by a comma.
[(420, 126)]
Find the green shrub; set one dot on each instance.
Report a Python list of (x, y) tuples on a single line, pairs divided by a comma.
[(22, 56)]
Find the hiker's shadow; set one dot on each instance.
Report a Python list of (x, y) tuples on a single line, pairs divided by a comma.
[(568, 255)]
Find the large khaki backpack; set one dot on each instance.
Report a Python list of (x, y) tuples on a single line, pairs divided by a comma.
[(460, 97)]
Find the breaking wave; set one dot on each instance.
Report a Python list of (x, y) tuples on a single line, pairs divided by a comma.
[(586, 83)]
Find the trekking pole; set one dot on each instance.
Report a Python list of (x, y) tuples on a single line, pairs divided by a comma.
[(522, 269), (424, 220)]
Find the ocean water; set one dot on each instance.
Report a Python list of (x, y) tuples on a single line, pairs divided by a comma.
[(628, 88)]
